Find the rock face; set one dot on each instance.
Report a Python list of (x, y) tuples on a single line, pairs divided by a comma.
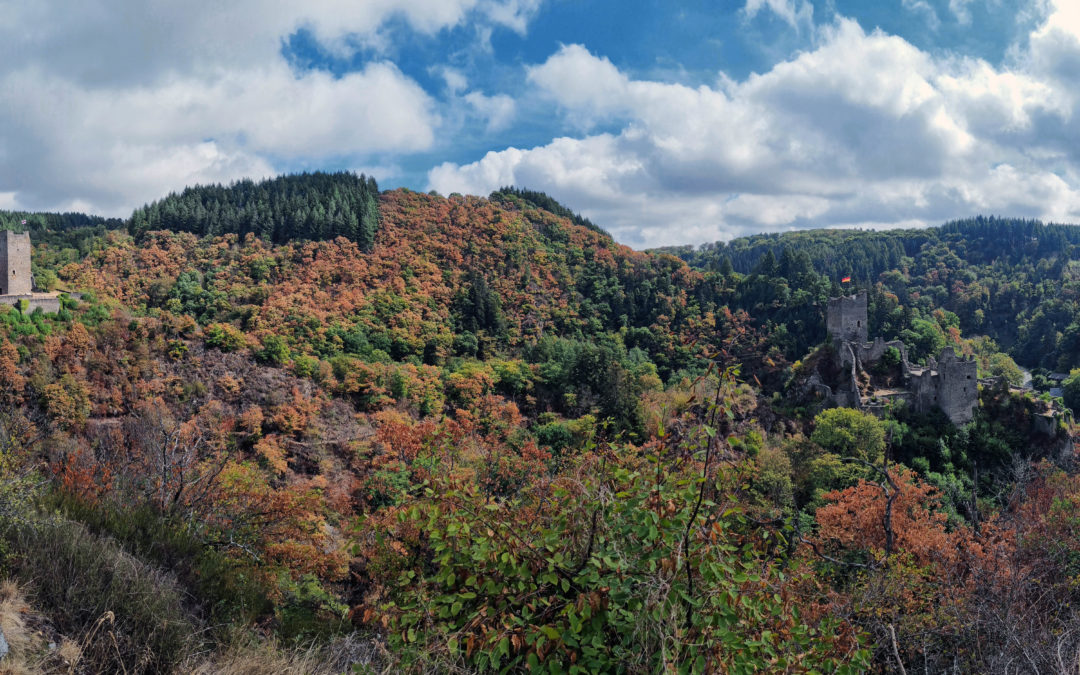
[(949, 383), (4, 649)]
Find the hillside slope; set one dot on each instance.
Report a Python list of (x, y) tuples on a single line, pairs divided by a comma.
[(499, 440), (251, 421), (446, 280), (548, 275)]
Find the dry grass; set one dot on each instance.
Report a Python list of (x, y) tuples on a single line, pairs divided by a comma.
[(30, 650), (127, 616), (38, 652), (13, 611), (266, 657)]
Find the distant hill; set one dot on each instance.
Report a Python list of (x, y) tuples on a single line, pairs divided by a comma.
[(865, 254), (54, 222)]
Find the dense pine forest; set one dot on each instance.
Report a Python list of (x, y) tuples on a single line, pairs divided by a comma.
[(315, 206), (305, 426)]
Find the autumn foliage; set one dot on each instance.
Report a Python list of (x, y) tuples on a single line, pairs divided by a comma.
[(492, 438)]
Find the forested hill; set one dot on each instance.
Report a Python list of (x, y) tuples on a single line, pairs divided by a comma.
[(519, 266), (38, 222), (1017, 281), (483, 439), (545, 202), (866, 254), (444, 280), (483, 275), (317, 206)]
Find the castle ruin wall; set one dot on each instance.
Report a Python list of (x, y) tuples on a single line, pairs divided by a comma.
[(958, 386), (949, 383), (15, 263), (845, 318)]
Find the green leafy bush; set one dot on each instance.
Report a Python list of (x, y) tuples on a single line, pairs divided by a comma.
[(226, 337), (617, 573)]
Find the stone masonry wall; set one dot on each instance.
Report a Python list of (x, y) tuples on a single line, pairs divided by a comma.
[(950, 384), (15, 263), (958, 386), (48, 302), (845, 318)]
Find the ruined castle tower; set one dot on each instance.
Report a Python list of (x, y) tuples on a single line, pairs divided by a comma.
[(15, 263), (949, 383), (957, 386), (846, 318)]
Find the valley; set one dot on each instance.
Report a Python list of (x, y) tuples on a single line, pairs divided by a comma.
[(478, 434)]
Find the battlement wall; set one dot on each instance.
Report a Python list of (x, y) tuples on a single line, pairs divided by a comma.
[(48, 302)]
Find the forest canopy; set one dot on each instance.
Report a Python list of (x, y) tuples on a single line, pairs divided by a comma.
[(316, 206), (1015, 281), (486, 436)]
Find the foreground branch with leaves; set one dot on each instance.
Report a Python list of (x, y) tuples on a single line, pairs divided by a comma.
[(627, 561)]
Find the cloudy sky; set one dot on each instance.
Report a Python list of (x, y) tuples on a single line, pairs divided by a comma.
[(665, 122)]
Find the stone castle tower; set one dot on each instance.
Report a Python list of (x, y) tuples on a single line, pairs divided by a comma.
[(15, 263), (949, 383), (846, 318)]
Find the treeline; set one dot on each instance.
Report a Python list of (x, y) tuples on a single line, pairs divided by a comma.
[(1017, 281), (866, 254), (834, 253), (56, 222), (316, 206), (542, 200)]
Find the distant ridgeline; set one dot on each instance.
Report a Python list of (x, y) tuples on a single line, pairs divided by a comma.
[(317, 206), (59, 238), (56, 222), (865, 255)]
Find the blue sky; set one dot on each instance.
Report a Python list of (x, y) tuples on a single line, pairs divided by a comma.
[(665, 122)]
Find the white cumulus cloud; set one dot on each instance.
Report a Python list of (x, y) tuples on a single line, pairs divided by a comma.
[(863, 129), (110, 103), (498, 110), (798, 14)]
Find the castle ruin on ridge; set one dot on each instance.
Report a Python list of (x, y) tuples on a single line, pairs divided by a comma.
[(949, 383), (16, 281)]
